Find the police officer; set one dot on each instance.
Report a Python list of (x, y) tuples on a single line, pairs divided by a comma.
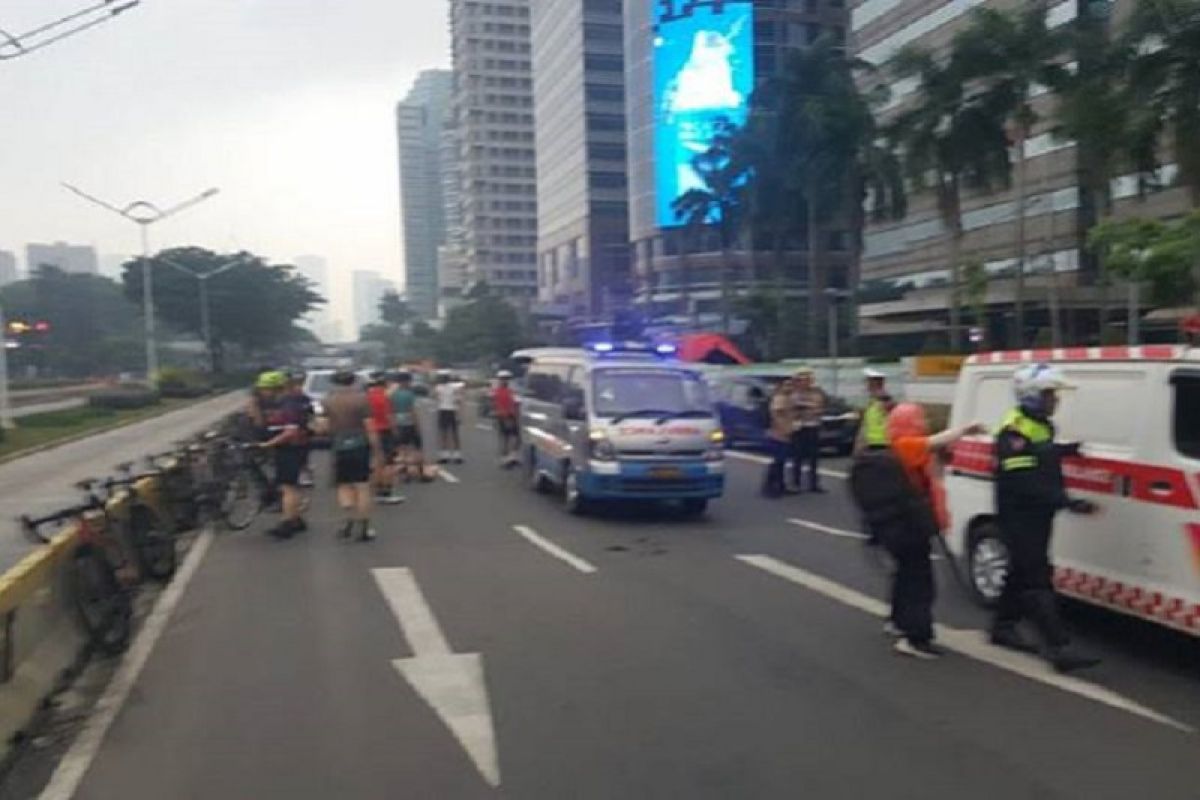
[(872, 434), (1030, 491)]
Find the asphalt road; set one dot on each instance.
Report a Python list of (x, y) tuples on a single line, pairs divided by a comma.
[(629, 655), (42, 482)]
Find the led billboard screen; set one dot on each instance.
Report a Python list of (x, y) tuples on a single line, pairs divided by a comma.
[(703, 72)]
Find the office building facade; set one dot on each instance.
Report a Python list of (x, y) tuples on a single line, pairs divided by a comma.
[(80, 259), (579, 108), (420, 126), (452, 254), (906, 271), (493, 110), (8, 268), (367, 289)]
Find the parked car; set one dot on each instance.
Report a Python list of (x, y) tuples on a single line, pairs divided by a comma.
[(742, 395)]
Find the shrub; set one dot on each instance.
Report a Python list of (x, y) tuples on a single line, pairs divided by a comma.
[(126, 397), (176, 382)]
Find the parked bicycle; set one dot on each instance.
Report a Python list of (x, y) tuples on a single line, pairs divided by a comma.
[(145, 528)]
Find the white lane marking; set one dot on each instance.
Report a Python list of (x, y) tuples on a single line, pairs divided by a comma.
[(452, 684), (479, 426), (816, 526), (970, 643), (755, 458), (532, 536), (447, 475), (75, 764)]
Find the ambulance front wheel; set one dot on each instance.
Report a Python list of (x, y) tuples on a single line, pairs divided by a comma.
[(987, 563)]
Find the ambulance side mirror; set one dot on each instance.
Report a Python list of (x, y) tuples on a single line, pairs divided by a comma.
[(573, 405)]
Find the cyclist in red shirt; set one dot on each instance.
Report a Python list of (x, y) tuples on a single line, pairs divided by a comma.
[(504, 408), (383, 423)]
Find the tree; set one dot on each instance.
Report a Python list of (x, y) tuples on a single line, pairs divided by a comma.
[(950, 140), (720, 202), (1151, 252), (975, 280), (92, 329), (1011, 54), (394, 310), (254, 305), (485, 328)]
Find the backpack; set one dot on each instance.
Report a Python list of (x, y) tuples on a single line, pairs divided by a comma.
[(885, 496)]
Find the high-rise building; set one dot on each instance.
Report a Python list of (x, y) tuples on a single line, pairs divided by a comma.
[(579, 109), (689, 66), (67, 257), (493, 108), (906, 271), (8, 267), (368, 289), (452, 255), (112, 265), (316, 270), (420, 126)]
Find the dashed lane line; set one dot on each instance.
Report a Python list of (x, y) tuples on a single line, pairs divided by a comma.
[(816, 526), (970, 643), (447, 475), (537, 540)]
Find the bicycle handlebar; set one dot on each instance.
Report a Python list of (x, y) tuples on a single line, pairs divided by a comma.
[(31, 524)]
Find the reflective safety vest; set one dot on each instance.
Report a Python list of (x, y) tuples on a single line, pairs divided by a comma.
[(875, 425), (1038, 434)]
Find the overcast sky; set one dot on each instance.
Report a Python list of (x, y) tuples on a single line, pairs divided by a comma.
[(286, 105)]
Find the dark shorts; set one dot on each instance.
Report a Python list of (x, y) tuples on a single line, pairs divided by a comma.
[(289, 462), (408, 436), (447, 421), (352, 466), (388, 443), (506, 426)]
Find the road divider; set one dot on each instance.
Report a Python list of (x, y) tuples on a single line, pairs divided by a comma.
[(534, 538), (452, 684), (970, 643)]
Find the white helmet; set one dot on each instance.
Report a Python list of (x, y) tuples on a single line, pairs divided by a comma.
[(504, 375), (873, 374), (1031, 380)]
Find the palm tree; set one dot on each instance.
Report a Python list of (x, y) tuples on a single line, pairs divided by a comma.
[(950, 140), (720, 202), (1010, 55)]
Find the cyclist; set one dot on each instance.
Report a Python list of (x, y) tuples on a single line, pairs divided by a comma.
[(384, 424), (287, 436), (356, 451), (304, 405), (504, 409), (410, 448), (448, 395)]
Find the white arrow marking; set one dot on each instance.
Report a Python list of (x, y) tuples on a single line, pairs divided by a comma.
[(453, 685)]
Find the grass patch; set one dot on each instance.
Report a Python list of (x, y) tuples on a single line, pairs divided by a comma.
[(39, 430)]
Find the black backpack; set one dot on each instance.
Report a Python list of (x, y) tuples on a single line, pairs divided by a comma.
[(885, 496)]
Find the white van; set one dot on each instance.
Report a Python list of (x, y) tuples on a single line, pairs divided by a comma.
[(1137, 412)]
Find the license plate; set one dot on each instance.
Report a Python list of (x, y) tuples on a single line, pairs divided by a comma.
[(666, 472)]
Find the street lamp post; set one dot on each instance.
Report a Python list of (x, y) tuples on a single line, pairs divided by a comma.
[(144, 214), (202, 278)]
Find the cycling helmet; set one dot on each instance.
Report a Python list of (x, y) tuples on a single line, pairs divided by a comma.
[(1031, 382), (504, 375), (377, 377), (271, 379)]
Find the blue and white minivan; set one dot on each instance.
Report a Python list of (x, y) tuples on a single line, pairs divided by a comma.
[(619, 423)]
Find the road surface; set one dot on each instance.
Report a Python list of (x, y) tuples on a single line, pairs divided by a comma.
[(490, 645), (42, 482)]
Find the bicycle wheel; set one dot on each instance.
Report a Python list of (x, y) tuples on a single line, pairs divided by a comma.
[(105, 610), (155, 548), (241, 501)]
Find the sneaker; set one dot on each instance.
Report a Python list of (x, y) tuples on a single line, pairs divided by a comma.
[(299, 525), (1012, 639), (283, 530), (368, 533), (347, 529), (391, 499), (892, 629), (926, 651), (1069, 661)]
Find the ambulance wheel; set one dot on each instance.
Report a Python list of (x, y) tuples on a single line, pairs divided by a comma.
[(576, 502), (987, 563), (693, 507)]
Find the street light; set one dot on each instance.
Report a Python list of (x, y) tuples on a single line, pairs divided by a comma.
[(20, 44), (202, 279), (144, 214)]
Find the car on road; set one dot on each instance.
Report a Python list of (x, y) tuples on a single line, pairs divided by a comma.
[(621, 424), (317, 385), (742, 395), (1136, 411)]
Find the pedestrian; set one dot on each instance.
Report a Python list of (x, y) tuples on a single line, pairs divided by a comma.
[(782, 409), (504, 409), (286, 429), (872, 433), (448, 396), (410, 453), (1030, 491), (918, 516), (356, 450), (810, 402), (383, 421), (304, 406)]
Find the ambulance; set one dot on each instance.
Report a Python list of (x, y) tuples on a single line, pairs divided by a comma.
[(1136, 410)]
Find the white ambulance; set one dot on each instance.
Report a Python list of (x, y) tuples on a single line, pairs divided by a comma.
[(1137, 412)]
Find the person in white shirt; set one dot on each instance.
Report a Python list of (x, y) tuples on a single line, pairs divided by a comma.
[(448, 396)]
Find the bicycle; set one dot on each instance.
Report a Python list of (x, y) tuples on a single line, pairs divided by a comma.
[(100, 590), (153, 547)]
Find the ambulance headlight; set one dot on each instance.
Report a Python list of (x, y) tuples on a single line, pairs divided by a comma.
[(600, 447), (716, 446)]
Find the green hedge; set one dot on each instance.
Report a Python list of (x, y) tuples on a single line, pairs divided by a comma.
[(123, 398), (175, 382)]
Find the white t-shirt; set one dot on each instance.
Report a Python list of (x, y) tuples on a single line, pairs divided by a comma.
[(447, 395)]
